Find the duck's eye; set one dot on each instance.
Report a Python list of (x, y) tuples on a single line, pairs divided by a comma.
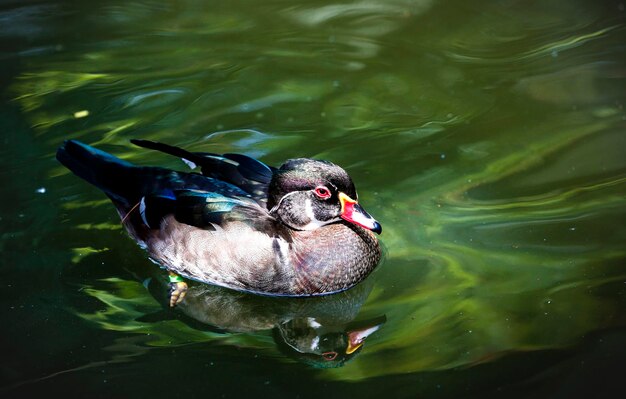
[(329, 355), (322, 192)]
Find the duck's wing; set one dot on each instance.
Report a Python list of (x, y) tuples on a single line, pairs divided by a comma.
[(144, 195), (203, 209), (126, 183), (249, 174)]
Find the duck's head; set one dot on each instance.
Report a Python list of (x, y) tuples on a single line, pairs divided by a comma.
[(306, 194), (322, 344)]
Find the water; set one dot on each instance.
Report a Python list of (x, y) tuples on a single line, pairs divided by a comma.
[(487, 139)]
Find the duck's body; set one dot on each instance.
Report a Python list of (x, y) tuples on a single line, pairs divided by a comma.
[(305, 263), (293, 231)]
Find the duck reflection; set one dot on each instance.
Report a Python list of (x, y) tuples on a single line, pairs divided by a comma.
[(319, 345), (319, 331)]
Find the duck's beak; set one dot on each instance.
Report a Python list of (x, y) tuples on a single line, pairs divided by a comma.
[(357, 337), (354, 213)]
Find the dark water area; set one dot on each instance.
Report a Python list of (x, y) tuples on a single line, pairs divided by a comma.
[(488, 139)]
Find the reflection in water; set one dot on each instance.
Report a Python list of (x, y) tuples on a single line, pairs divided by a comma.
[(319, 331)]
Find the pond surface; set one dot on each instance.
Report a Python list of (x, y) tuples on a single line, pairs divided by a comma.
[(488, 139)]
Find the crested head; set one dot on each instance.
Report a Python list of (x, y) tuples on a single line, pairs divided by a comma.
[(306, 194), (306, 174)]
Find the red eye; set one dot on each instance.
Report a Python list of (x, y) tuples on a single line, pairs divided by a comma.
[(329, 355), (322, 192)]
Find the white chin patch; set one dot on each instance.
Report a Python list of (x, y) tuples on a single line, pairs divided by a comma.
[(314, 223)]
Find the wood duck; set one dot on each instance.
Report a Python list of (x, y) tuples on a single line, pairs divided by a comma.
[(296, 230)]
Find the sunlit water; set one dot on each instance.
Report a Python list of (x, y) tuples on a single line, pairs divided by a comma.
[(487, 139)]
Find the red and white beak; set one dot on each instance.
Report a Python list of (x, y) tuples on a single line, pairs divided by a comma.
[(356, 338), (352, 212)]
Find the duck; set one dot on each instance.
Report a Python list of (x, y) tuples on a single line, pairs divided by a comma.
[(296, 230)]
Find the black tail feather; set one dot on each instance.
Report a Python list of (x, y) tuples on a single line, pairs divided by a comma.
[(171, 150), (119, 179), (126, 183)]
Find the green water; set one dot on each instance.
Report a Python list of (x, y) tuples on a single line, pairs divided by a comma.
[(488, 139)]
